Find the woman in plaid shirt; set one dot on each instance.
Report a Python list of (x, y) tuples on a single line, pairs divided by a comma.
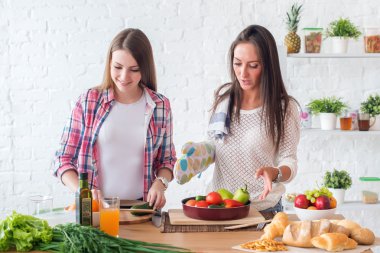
[(120, 132)]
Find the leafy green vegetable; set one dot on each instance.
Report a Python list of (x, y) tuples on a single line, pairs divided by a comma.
[(73, 238), (23, 232), (338, 179)]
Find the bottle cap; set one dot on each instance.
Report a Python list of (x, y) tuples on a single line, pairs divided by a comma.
[(83, 176)]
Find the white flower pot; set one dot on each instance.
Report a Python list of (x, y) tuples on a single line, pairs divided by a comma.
[(328, 121), (339, 45), (376, 124), (338, 194)]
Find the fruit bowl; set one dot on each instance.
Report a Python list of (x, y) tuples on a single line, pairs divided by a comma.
[(310, 214), (204, 213)]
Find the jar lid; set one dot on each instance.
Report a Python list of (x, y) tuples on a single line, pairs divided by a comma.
[(369, 178), (312, 29)]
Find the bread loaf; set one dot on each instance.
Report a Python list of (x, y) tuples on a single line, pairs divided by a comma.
[(276, 227), (363, 236), (333, 242), (299, 234), (360, 235)]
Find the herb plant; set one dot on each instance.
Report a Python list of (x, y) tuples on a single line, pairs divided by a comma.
[(338, 179), (343, 27), (371, 105), (327, 105)]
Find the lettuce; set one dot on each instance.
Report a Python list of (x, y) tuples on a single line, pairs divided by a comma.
[(23, 232)]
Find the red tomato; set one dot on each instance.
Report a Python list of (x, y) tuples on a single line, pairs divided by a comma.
[(201, 203), (228, 203), (214, 198), (191, 202)]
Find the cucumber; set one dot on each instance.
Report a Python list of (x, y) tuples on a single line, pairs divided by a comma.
[(200, 197), (143, 206)]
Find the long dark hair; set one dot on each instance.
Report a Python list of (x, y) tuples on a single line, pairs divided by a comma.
[(136, 42), (273, 94)]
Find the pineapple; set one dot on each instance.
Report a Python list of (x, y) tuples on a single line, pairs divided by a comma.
[(292, 40)]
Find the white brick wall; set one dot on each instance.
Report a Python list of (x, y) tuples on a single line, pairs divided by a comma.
[(51, 51)]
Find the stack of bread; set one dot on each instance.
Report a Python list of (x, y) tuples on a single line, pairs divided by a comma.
[(331, 235)]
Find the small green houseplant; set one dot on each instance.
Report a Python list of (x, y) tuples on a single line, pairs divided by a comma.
[(328, 108), (371, 105), (327, 105), (343, 27), (340, 31), (337, 181)]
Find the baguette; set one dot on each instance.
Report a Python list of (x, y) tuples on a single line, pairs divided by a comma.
[(276, 227), (299, 234), (333, 242)]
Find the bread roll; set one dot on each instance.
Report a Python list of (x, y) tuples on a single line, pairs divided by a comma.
[(333, 242), (276, 227), (363, 236), (299, 234), (360, 235)]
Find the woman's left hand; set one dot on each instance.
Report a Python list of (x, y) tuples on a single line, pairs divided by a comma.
[(268, 174), (156, 195)]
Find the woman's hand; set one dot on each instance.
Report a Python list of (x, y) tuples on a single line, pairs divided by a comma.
[(268, 174), (156, 195)]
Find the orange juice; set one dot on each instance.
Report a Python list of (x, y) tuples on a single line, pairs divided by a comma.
[(109, 221)]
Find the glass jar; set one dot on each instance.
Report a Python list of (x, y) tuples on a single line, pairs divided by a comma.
[(313, 39), (372, 39)]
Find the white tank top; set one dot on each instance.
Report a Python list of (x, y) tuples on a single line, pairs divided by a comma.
[(121, 146)]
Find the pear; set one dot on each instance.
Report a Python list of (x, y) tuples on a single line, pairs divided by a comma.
[(226, 194)]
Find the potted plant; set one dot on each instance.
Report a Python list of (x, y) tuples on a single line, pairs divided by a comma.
[(328, 108), (340, 31), (337, 181), (372, 107)]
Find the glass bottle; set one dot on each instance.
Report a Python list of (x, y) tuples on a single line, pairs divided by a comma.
[(83, 199)]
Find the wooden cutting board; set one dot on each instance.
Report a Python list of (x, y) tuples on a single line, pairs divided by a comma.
[(128, 218), (177, 217)]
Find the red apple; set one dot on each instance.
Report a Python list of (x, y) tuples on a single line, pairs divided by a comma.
[(301, 201), (322, 202)]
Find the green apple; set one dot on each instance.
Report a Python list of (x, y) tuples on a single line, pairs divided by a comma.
[(226, 194), (241, 195)]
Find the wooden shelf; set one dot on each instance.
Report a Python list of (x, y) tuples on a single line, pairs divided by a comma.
[(323, 55), (338, 132)]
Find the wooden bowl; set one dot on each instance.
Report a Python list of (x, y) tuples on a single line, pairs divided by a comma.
[(203, 213)]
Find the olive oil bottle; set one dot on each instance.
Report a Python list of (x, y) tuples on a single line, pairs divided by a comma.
[(83, 200)]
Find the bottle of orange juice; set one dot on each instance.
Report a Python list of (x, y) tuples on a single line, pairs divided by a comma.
[(83, 199)]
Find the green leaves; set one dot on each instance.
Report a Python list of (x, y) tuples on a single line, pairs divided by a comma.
[(293, 17), (337, 179), (328, 104), (23, 232), (343, 28), (371, 105)]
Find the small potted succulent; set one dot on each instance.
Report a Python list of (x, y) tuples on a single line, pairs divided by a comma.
[(328, 108), (337, 181), (340, 31), (372, 107)]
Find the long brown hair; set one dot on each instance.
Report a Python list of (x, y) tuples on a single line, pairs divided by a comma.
[(273, 94), (136, 42)]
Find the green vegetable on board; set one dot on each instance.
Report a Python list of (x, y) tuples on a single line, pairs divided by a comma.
[(142, 206)]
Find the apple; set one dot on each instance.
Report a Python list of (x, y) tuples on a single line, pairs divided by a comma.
[(322, 202), (301, 201)]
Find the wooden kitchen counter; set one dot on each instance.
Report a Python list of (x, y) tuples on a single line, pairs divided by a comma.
[(196, 241)]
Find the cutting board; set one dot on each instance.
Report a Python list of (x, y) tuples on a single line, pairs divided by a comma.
[(128, 218), (177, 217)]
